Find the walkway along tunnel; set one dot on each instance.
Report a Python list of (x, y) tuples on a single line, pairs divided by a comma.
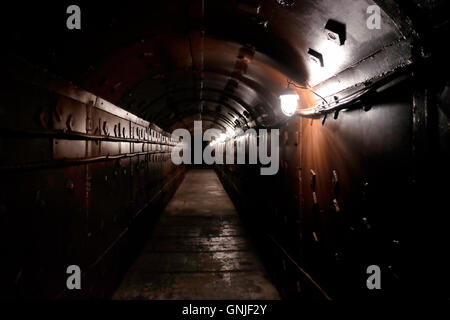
[(356, 205)]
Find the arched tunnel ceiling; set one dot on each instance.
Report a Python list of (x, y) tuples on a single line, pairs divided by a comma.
[(225, 62)]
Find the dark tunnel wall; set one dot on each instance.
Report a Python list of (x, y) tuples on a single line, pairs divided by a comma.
[(366, 185), (354, 189), (89, 177)]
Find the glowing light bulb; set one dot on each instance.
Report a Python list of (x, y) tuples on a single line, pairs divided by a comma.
[(289, 102)]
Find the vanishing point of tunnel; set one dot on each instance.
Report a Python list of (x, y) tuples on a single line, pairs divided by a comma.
[(250, 150), (199, 243)]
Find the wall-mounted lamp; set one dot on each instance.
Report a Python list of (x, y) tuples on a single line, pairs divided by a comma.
[(289, 101)]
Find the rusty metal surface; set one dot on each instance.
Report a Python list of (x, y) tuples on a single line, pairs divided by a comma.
[(81, 174)]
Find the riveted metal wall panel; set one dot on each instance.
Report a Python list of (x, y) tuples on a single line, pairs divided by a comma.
[(66, 149), (69, 115), (77, 180)]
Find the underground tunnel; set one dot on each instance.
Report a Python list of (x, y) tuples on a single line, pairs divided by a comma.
[(225, 150)]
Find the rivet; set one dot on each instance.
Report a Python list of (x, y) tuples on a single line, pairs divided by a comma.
[(69, 184), (336, 205), (69, 123), (316, 239), (299, 289), (314, 198), (366, 223)]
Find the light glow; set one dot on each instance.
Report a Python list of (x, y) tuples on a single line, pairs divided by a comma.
[(230, 132), (289, 103), (222, 137)]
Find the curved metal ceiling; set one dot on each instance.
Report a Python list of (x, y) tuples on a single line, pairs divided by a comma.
[(172, 62)]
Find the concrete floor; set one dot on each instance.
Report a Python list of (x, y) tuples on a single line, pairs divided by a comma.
[(198, 250)]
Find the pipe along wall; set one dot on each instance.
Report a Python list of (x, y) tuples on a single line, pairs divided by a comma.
[(81, 181)]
